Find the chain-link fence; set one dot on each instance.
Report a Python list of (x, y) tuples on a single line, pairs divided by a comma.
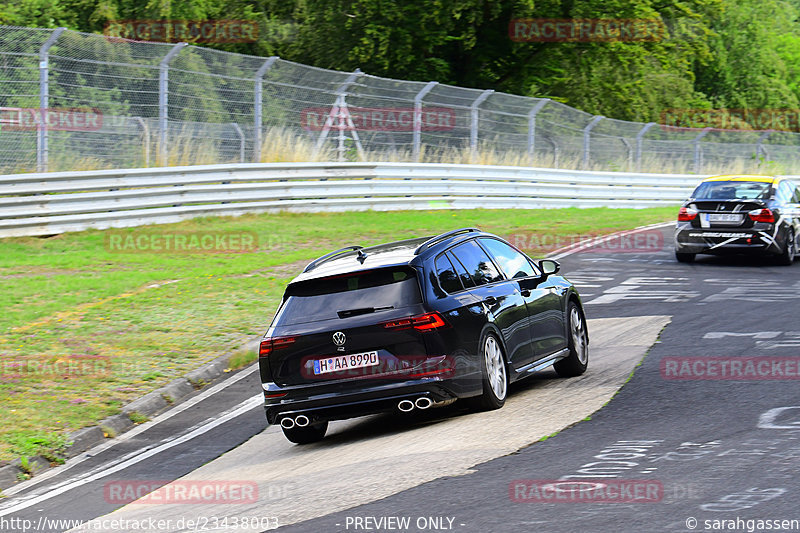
[(166, 104)]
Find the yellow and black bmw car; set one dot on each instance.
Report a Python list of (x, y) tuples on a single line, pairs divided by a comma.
[(740, 214)]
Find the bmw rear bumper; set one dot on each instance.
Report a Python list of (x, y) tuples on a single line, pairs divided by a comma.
[(726, 241)]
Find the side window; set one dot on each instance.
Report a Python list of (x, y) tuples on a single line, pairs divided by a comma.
[(796, 193), (463, 275), (784, 194), (446, 275), (477, 263), (512, 263)]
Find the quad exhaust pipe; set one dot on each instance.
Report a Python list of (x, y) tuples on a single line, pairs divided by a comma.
[(300, 421), (423, 402)]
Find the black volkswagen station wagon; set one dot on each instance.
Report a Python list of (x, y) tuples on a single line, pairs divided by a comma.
[(740, 215), (415, 324)]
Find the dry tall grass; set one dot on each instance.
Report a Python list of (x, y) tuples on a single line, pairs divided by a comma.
[(288, 145)]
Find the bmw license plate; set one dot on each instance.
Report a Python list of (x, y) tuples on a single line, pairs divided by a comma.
[(345, 362), (724, 217)]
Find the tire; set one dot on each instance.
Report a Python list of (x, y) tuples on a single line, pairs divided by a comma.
[(787, 257), (578, 359), (494, 375), (306, 435), (684, 257)]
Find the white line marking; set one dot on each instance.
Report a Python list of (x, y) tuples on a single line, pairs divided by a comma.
[(593, 241), (251, 403), (88, 454)]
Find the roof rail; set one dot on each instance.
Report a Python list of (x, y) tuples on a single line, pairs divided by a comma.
[(430, 242), (328, 257)]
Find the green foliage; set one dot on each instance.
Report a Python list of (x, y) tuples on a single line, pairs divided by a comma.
[(712, 54)]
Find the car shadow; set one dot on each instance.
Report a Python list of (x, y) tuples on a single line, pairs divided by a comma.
[(394, 423), (735, 261)]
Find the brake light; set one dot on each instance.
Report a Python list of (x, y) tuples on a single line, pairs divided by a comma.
[(422, 322), (271, 344), (687, 214), (761, 215)]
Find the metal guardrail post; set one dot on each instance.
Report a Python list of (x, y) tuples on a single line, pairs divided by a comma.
[(532, 124), (259, 91), (696, 142), (473, 127), (761, 139), (586, 138), (418, 116), (163, 100), (44, 95), (639, 141)]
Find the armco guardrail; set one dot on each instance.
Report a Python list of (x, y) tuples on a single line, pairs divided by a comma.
[(52, 203)]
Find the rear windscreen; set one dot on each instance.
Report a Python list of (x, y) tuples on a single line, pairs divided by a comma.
[(733, 190), (349, 295)]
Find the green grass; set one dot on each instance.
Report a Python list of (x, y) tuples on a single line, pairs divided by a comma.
[(136, 321)]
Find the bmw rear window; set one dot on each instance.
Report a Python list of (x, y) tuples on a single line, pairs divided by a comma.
[(733, 190), (341, 297)]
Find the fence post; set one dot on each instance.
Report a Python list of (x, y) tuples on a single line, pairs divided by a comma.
[(761, 139), (639, 141), (163, 100), (586, 136), (259, 90), (473, 127), (696, 142), (418, 116), (532, 124), (44, 95)]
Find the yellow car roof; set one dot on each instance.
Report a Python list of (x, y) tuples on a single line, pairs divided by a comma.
[(764, 179)]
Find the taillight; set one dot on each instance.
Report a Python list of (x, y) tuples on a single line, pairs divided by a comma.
[(687, 214), (761, 215), (270, 344), (421, 322)]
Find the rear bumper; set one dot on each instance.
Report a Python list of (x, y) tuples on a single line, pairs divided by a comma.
[(726, 241), (324, 405)]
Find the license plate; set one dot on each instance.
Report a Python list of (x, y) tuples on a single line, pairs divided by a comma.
[(345, 362), (724, 217)]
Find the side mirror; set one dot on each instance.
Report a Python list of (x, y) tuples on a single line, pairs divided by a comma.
[(548, 267)]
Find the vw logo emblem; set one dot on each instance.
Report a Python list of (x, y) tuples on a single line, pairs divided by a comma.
[(339, 338)]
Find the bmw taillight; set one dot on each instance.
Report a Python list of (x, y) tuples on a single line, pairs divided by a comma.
[(761, 215), (424, 322), (270, 344), (687, 214)]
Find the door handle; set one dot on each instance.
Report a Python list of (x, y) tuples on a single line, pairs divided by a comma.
[(490, 300), (525, 293)]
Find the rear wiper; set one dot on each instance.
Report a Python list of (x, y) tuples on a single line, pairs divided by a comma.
[(362, 311)]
